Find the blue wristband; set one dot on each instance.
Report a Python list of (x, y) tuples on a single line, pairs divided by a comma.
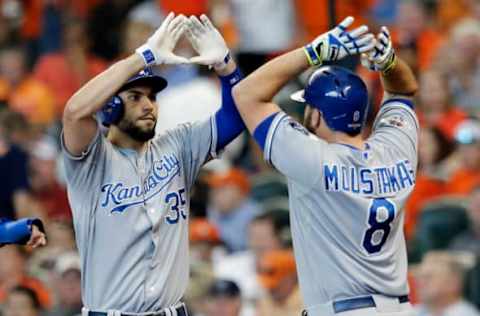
[(231, 79)]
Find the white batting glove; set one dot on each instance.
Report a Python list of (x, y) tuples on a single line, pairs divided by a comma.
[(207, 42), (159, 47), (382, 56), (339, 43)]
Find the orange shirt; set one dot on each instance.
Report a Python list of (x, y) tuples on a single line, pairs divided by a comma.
[(448, 122), (186, 7), (35, 285), (57, 74), (32, 98), (463, 181), (426, 189), (314, 14)]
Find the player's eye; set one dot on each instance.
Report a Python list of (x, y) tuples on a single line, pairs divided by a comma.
[(134, 97)]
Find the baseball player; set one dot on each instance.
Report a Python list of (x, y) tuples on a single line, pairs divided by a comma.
[(130, 191), (346, 192), (26, 231)]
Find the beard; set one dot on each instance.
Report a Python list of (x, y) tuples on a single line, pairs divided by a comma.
[(135, 132)]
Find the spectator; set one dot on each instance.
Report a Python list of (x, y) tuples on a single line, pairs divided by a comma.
[(45, 186), (436, 109), (417, 41), (21, 91), (256, 43), (67, 286), (440, 285), (204, 237), (22, 301), (433, 153), (278, 275), (467, 176), (268, 231), (65, 72), (15, 197), (231, 208), (224, 299), (462, 64), (470, 240), (13, 273)]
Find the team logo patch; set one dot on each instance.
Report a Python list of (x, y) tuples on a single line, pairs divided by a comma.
[(298, 127), (396, 121)]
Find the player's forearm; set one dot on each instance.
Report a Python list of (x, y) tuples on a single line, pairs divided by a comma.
[(263, 84), (95, 93), (400, 79)]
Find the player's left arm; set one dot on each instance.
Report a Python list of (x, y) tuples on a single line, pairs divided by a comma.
[(27, 231), (213, 52), (396, 119)]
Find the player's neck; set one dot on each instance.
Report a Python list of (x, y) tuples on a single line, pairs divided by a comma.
[(355, 141), (122, 140)]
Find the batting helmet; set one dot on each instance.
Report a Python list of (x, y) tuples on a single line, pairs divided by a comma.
[(340, 95), (112, 111)]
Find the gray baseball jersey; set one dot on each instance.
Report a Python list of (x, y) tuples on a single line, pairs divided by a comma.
[(346, 204), (130, 215)]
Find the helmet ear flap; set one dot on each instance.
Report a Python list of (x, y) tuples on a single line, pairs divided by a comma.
[(112, 112)]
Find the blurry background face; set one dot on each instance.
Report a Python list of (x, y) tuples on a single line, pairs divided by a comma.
[(20, 304), (69, 288), (474, 208), (434, 282), (470, 155), (262, 238), (223, 306), (226, 198), (410, 20), (428, 148), (12, 65), (433, 96)]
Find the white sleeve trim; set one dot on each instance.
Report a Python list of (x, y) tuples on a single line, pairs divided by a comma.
[(267, 151), (213, 146)]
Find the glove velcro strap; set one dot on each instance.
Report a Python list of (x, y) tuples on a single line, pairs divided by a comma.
[(391, 63), (147, 54), (312, 56), (223, 63)]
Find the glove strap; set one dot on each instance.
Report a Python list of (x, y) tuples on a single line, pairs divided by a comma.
[(390, 64), (313, 57), (147, 54), (223, 63)]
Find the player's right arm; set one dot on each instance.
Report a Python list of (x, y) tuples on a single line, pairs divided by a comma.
[(79, 124), (273, 130)]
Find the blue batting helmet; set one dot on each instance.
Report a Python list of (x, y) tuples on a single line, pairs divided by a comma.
[(340, 95), (112, 111)]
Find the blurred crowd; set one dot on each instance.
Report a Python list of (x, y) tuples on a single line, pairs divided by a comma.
[(241, 253)]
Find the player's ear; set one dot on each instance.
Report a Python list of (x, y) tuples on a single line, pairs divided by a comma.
[(315, 119)]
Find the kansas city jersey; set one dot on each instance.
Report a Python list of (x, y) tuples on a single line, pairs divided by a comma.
[(346, 204), (130, 215)]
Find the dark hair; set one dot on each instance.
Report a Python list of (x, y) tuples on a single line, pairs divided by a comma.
[(280, 220), (445, 146), (29, 293)]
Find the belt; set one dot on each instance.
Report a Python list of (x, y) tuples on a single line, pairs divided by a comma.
[(360, 302), (181, 311)]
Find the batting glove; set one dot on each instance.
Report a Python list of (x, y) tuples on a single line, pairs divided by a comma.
[(159, 47), (207, 42), (382, 56), (339, 43)]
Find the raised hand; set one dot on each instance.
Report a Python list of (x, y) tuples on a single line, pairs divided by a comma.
[(339, 43), (382, 56), (159, 47), (207, 42)]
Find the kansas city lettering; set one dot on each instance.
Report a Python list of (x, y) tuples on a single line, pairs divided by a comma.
[(381, 180), (162, 171)]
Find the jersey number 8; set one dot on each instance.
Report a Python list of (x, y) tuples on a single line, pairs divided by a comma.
[(381, 215)]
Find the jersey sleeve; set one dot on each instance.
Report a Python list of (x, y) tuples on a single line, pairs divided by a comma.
[(290, 148), (196, 143), (397, 125)]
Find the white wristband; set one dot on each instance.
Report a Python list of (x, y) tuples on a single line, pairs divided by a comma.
[(147, 54)]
